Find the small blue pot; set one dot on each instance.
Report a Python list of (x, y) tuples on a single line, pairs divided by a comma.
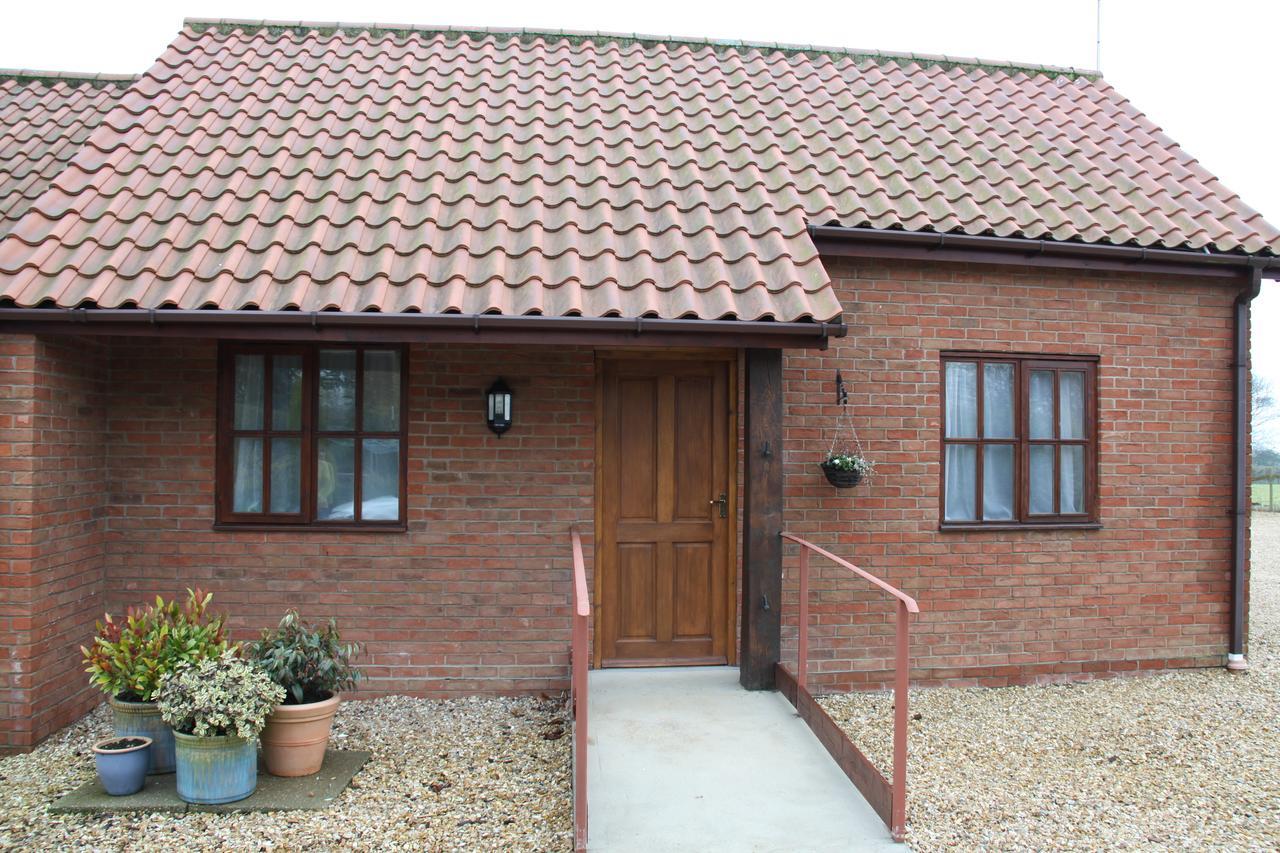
[(215, 769), (122, 771)]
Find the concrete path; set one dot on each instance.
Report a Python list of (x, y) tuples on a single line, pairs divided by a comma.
[(684, 759)]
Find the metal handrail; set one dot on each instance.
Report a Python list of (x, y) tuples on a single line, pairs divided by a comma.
[(578, 690), (902, 668)]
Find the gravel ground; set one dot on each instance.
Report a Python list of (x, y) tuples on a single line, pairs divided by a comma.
[(466, 775), (1177, 761)]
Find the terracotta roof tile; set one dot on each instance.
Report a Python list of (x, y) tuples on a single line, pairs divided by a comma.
[(45, 117), (322, 168)]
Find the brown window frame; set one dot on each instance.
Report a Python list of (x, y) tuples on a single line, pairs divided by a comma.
[(1024, 364), (305, 519)]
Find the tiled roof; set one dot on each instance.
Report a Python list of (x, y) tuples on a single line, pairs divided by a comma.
[(338, 167), (45, 116)]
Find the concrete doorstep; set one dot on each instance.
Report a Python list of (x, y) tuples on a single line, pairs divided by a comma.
[(274, 793)]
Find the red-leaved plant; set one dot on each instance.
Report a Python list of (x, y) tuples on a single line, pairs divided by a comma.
[(129, 659)]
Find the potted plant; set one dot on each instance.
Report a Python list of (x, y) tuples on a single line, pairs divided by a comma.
[(844, 470), (128, 660), (217, 707), (313, 666), (122, 763)]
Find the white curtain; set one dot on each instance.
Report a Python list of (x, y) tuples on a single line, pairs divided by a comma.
[(962, 399), (1071, 482), (1041, 497), (997, 482), (1071, 405), (961, 482), (246, 494), (997, 400), (1041, 404)]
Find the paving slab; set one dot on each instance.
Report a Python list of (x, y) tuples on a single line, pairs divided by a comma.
[(686, 760), (274, 793)]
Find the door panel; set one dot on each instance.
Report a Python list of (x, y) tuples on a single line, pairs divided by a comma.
[(693, 607), (636, 570), (662, 548)]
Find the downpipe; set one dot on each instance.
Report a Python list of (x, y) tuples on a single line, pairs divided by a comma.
[(1240, 471)]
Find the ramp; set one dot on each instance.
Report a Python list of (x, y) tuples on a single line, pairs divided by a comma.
[(684, 759)]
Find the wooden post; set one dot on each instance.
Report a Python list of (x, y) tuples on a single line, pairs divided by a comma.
[(762, 522)]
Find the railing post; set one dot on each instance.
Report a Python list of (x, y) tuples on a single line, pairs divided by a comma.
[(802, 653), (902, 676)]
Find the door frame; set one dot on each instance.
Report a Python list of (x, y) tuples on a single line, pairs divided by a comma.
[(732, 360)]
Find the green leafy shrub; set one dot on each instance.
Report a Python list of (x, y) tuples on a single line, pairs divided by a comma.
[(310, 664), (128, 659), (218, 696)]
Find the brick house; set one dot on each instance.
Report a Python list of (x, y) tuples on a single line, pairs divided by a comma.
[(252, 302)]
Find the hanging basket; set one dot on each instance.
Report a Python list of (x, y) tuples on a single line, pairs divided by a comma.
[(839, 477)]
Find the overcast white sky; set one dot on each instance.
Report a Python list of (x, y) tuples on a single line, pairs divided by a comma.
[(1201, 70)]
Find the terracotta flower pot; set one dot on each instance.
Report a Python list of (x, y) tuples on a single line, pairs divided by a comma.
[(295, 738)]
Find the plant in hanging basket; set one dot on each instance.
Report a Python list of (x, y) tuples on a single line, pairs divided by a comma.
[(846, 470)]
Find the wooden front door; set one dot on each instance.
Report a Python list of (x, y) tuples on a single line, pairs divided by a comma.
[(666, 513)]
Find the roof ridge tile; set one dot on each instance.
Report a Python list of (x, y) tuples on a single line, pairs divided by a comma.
[(40, 75), (202, 24)]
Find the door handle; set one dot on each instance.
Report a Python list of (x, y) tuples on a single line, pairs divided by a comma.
[(723, 500)]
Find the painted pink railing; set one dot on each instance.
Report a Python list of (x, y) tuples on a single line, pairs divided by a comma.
[(889, 800), (578, 662)]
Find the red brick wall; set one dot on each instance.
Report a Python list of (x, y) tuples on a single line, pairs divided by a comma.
[(52, 494), (1151, 589), (475, 597)]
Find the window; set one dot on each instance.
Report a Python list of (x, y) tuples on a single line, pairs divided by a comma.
[(1019, 441), (311, 435)]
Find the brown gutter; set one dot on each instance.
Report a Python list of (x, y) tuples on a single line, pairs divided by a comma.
[(1240, 498), (408, 327), (921, 245)]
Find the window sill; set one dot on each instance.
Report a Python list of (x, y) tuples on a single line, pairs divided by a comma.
[(251, 527), (991, 528)]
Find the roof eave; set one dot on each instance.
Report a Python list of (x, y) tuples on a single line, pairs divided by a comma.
[(836, 241), (411, 327)]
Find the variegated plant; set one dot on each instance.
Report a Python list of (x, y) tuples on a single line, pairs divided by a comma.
[(219, 696)]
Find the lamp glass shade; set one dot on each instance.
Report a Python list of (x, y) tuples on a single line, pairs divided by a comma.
[(499, 407)]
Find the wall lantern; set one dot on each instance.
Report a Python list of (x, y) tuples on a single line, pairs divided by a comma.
[(499, 397)]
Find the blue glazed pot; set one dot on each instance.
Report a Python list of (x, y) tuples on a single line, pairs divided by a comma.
[(215, 769), (142, 719), (122, 771)]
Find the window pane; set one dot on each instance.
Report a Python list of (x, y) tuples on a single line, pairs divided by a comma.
[(1041, 404), (337, 389), (380, 479), (1071, 405), (246, 490), (381, 390), (997, 400), (997, 482), (1041, 480), (335, 478), (248, 392), (962, 399), (286, 475), (286, 392), (961, 482), (1071, 487)]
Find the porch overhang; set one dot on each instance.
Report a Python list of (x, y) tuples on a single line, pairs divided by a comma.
[(413, 327)]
